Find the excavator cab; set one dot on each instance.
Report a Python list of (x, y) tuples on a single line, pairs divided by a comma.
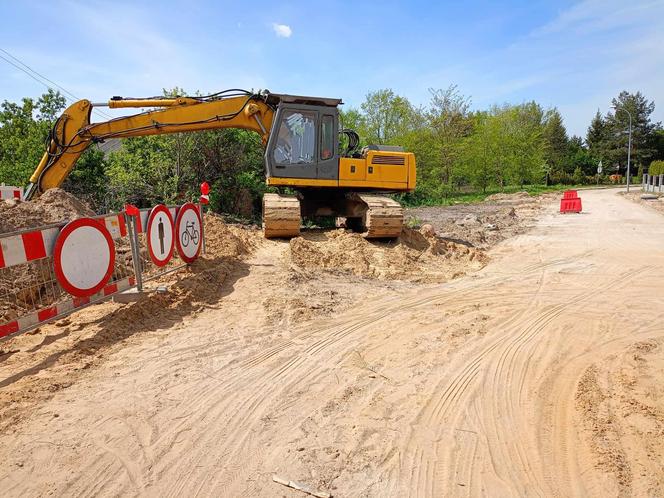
[(303, 151), (303, 143)]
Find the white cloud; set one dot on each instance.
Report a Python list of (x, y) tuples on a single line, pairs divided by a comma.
[(282, 30)]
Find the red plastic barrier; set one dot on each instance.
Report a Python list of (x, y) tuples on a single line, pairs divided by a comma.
[(570, 205), (570, 194)]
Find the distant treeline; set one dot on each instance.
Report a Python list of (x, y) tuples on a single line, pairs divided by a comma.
[(522, 144), (457, 150)]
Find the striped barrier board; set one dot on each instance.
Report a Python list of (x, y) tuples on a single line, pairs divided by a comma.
[(31, 246), (61, 309), (8, 192)]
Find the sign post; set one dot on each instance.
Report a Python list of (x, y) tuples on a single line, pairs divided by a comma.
[(132, 214), (203, 201), (599, 171)]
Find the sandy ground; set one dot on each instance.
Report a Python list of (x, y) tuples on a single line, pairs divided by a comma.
[(483, 224), (635, 194), (538, 375)]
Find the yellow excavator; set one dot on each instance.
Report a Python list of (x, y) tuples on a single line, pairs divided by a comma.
[(301, 136)]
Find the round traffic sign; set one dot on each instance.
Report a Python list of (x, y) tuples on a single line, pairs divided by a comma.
[(160, 235), (83, 257), (189, 233)]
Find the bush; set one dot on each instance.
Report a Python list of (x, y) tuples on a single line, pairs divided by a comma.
[(561, 178), (656, 168)]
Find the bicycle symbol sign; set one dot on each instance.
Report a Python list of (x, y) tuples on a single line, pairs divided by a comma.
[(189, 232)]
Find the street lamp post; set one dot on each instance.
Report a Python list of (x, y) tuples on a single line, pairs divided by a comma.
[(629, 140)]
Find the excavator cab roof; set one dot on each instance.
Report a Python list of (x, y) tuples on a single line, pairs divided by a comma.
[(277, 98)]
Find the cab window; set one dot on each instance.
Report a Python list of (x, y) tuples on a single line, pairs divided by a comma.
[(296, 141), (327, 138)]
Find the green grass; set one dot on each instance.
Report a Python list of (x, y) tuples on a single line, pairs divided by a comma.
[(474, 197)]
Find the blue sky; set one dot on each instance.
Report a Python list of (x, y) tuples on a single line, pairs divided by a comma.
[(572, 55)]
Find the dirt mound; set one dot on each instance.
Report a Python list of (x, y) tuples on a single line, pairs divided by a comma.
[(223, 239), (53, 206), (483, 224), (415, 256)]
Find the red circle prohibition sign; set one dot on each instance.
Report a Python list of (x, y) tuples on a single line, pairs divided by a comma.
[(189, 206), (160, 208), (82, 254)]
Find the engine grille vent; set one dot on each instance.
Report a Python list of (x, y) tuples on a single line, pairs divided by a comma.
[(395, 160)]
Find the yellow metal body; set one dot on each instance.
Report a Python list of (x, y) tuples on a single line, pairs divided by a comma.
[(379, 170)]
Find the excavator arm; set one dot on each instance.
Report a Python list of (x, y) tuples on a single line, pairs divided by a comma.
[(73, 133)]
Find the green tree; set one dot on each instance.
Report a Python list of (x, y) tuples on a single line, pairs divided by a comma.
[(483, 151), (597, 139), (523, 143), (387, 117), (24, 128), (449, 122), (580, 157), (556, 153), (643, 128)]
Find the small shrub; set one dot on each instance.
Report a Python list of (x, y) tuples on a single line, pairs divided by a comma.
[(656, 168)]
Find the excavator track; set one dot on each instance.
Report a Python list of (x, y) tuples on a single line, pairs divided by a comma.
[(383, 218), (281, 216)]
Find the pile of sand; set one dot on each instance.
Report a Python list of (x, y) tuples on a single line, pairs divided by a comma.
[(53, 206), (201, 282), (229, 240), (415, 256)]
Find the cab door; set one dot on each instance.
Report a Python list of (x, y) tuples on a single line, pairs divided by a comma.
[(303, 143), (328, 149)]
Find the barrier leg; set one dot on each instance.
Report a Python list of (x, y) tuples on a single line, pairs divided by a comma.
[(200, 210), (135, 252)]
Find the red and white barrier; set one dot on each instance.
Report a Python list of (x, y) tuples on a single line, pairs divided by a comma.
[(48, 314), (23, 247), (30, 246), (9, 192)]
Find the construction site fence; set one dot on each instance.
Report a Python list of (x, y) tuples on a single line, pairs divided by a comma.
[(30, 293), (653, 183)]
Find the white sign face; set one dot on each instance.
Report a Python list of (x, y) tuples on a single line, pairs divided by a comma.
[(189, 233), (83, 257), (599, 167), (160, 235)]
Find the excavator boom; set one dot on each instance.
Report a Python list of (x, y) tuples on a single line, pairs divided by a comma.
[(73, 133)]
